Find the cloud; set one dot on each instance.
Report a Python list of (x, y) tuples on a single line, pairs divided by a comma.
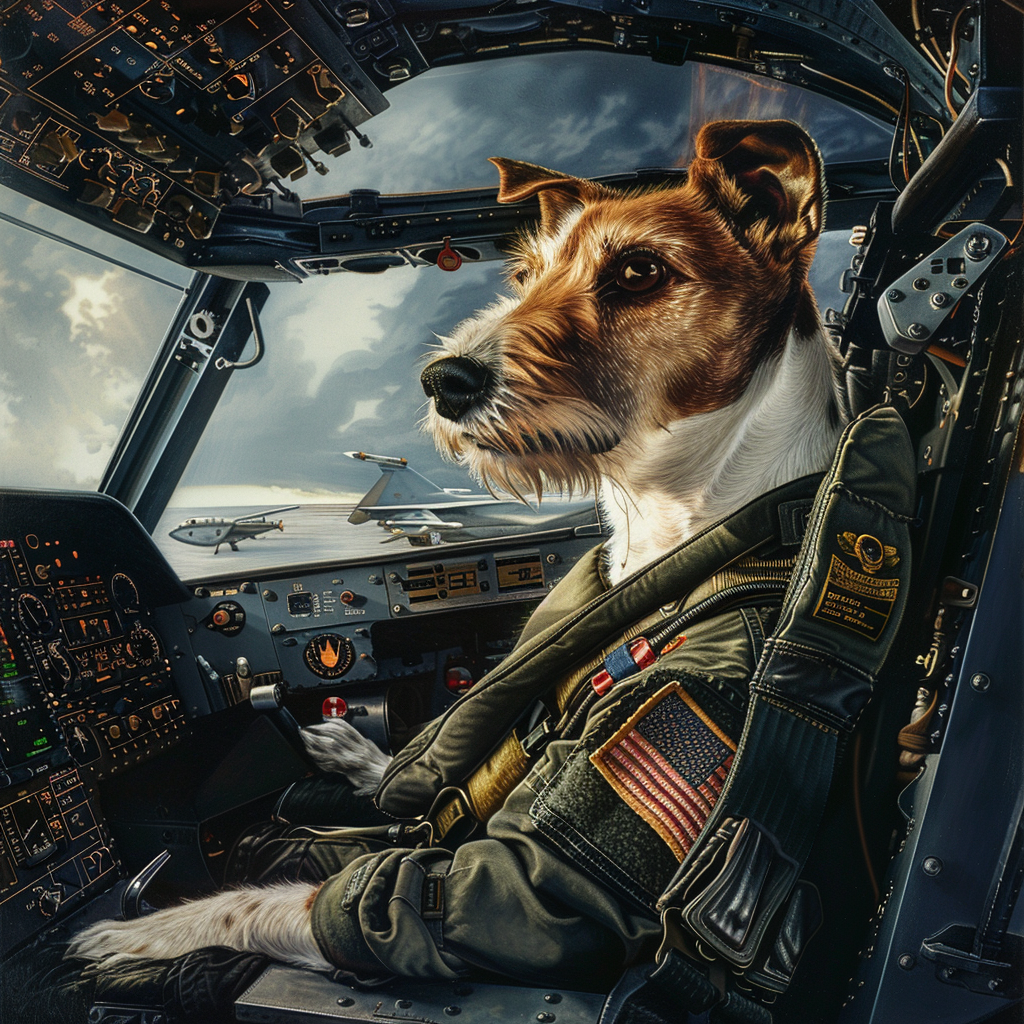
[(91, 302)]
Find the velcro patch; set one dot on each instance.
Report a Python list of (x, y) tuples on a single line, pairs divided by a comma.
[(668, 763)]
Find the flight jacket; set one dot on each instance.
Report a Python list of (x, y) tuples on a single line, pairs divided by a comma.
[(561, 881)]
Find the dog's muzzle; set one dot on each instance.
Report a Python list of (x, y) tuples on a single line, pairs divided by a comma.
[(456, 385)]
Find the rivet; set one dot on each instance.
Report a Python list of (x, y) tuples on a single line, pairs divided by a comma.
[(931, 866), (918, 331), (545, 1017), (453, 1011), (980, 682), (552, 997), (939, 300), (403, 1004), (346, 1001), (907, 961), (894, 295), (921, 284), (960, 282)]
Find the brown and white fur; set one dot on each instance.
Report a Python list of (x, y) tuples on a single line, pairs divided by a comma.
[(662, 346)]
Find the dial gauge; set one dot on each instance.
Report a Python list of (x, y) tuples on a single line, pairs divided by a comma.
[(34, 615), (61, 662), (143, 645), (329, 655), (125, 593)]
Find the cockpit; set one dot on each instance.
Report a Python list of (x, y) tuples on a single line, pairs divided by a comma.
[(234, 234)]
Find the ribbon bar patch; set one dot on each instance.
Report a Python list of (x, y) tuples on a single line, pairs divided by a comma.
[(668, 763)]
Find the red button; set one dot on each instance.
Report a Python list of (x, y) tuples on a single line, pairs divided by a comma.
[(458, 679), (221, 617), (334, 707)]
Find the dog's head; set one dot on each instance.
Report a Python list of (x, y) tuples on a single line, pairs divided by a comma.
[(631, 310)]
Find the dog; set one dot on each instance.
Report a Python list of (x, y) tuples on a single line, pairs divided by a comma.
[(661, 346)]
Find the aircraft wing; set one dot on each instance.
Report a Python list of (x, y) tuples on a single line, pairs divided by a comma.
[(268, 512)]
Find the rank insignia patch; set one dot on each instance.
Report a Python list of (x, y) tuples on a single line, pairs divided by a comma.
[(869, 551), (668, 763)]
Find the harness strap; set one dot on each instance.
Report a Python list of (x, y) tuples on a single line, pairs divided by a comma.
[(840, 615), (490, 784), (572, 625)]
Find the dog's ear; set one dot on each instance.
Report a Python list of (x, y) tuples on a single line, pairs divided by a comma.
[(767, 178), (558, 193)]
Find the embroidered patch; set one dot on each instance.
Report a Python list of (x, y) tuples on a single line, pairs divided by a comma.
[(855, 601), (668, 763)]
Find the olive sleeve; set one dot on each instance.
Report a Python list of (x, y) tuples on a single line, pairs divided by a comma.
[(505, 903)]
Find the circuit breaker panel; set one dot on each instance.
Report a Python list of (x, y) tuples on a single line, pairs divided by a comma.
[(147, 118)]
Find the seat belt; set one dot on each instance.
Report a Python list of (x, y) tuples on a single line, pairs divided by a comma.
[(735, 908)]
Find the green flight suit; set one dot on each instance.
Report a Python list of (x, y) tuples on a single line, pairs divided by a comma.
[(563, 885)]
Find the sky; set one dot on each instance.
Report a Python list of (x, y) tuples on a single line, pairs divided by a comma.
[(77, 336)]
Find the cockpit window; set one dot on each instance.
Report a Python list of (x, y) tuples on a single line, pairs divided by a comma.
[(77, 335), (341, 371)]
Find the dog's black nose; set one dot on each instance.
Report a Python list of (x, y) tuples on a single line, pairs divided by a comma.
[(456, 384)]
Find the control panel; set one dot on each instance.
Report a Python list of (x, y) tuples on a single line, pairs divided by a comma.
[(86, 691), (55, 851), (326, 628), (147, 118)]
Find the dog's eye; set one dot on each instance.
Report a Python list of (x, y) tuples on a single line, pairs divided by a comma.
[(639, 273), (520, 276)]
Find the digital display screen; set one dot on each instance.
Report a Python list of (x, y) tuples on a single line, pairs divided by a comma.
[(438, 582), (31, 825), (518, 572), (89, 628), (26, 728)]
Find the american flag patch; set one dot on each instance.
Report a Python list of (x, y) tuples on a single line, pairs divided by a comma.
[(668, 763)]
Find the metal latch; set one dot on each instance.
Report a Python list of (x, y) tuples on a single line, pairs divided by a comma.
[(914, 307)]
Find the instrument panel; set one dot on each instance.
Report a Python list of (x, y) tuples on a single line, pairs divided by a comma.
[(148, 118), (86, 691), (108, 661)]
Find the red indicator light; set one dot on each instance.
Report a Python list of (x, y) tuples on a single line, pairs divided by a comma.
[(458, 679), (334, 707)]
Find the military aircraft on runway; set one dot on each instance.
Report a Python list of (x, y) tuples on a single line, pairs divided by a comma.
[(210, 531), (406, 504)]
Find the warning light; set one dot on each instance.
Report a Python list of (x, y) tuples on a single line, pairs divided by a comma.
[(458, 678), (334, 707)]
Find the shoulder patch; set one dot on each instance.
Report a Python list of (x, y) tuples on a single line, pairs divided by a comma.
[(668, 762)]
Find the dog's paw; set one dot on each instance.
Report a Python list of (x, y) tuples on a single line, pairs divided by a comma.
[(113, 941), (337, 746), (274, 921)]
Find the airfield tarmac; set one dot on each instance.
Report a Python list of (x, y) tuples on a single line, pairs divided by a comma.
[(312, 533)]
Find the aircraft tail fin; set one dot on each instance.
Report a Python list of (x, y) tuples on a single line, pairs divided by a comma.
[(398, 485)]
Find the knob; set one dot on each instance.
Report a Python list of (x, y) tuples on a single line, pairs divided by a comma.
[(50, 900)]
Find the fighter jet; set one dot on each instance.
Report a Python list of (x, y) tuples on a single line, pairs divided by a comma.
[(212, 532), (410, 507)]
